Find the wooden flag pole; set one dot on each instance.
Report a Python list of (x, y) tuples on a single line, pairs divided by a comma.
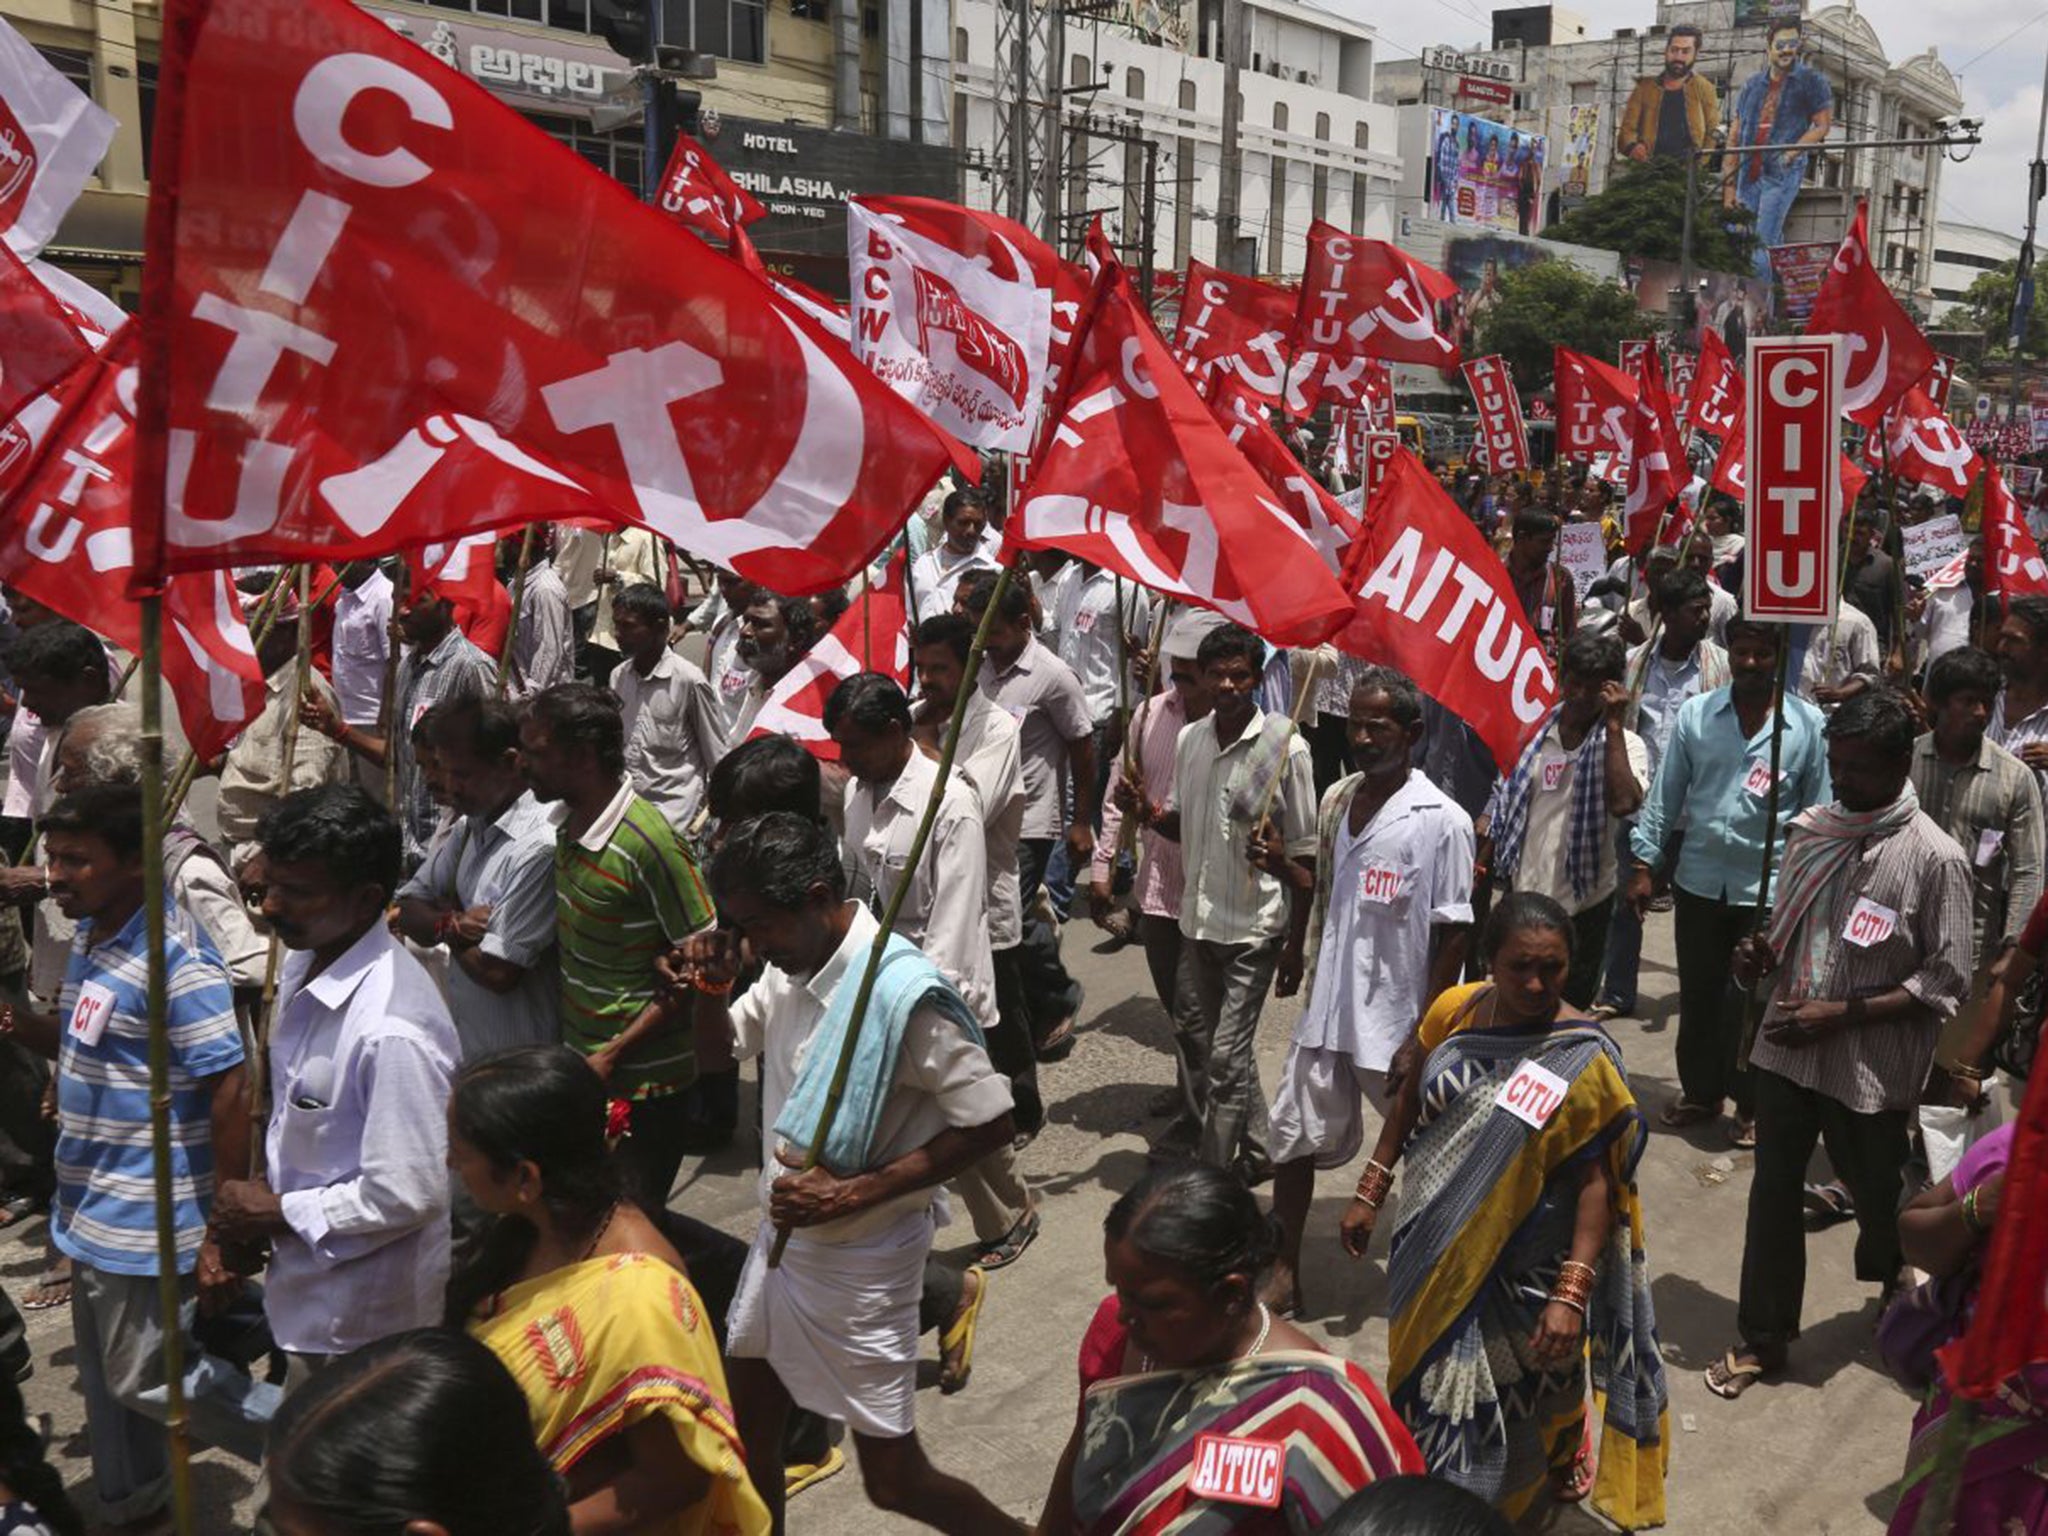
[(518, 603), (1752, 1008), (1127, 829), (843, 1068), (388, 706), (168, 1285)]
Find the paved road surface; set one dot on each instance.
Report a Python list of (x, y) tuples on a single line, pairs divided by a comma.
[(1817, 1453)]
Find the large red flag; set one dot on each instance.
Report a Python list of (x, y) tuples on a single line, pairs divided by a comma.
[(1657, 468), (387, 311), (1886, 354), (698, 194), (2012, 559), (1328, 525), (871, 636), (65, 499), (2009, 1329), (1137, 476), (1367, 298), (1923, 446), (1595, 406), (1714, 404), (1232, 332), (1433, 600), (39, 342)]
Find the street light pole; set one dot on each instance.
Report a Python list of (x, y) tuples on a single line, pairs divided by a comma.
[(2023, 270)]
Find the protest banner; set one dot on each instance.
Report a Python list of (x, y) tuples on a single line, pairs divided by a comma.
[(1582, 550), (1933, 544)]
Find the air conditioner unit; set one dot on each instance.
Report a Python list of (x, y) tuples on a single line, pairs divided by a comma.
[(1623, 33)]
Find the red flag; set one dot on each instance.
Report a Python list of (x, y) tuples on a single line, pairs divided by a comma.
[(2009, 1327), (1136, 476), (1595, 406), (828, 312), (1353, 383), (1367, 298), (1501, 432), (698, 194), (1924, 446), (466, 573), (1233, 330), (1433, 600), (67, 496), (387, 311), (39, 342), (2012, 560), (1329, 527), (1656, 456), (1731, 473), (1714, 403), (795, 706), (1886, 353)]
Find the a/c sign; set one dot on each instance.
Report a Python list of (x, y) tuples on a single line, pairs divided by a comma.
[(1793, 492)]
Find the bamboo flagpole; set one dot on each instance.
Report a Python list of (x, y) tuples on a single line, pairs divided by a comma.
[(836, 1090), (388, 706), (518, 605), (1752, 1008), (1127, 829)]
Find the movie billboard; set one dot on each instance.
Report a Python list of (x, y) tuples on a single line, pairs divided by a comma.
[(1483, 174), (1476, 263), (1581, 138)]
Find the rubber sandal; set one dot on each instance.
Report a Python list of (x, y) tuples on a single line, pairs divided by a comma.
[(956, 1344), (1058, 1044), (1736, 1378), (17, 1208), (796, 1479), (1012, 1247), (1827, 1205), (1575, 1487), (51, 1289), (1742, 1135), (1680, 1113)]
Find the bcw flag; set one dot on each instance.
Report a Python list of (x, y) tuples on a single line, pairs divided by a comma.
[(949, 313), (1137, 476), (387, 311), (65, 500), (1367, 298), (1714, 403), (871, 636), (1433, 600), (1501, 432), (698, 194), (1922, 445), (1232, 333), (1886, 354), (1595, 406), (52, 138)]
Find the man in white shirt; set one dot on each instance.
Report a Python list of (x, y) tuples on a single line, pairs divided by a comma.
[(774, 634), (834, 1327), (630, 556), (488, 892), (673, 730), (967, 547), (355, 1202), (731, 679), (869, 717), (1393, 901), (544, 643), (362, 654), (1233, 773), (1552, 823)]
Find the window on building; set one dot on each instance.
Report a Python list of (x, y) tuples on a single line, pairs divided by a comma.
[(725, 29), (959, 45), (617, 154), (1361, 136), (1188, 96), (1134, 88), (72, 65), (145, 91), (1323, 126), (821, 10), (570, 15), (1280, 116), (1358, 188)]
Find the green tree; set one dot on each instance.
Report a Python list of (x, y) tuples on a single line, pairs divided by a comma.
[(1642, 213), (1987, 306), (1553, 304)]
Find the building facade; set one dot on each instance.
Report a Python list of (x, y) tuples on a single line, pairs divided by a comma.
[(1575, 89), (813, 100), (1313, 144), (1962, 254)]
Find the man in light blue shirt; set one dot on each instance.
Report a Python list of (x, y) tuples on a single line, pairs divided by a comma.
[(1716, 774)]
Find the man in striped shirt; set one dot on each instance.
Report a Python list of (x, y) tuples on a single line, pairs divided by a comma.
[(626, 888), (104, 1215), (1869, 955)]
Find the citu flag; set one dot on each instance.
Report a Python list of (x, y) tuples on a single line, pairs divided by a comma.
[(873, 635), (1885, 353), (699, 194), (383, 311)]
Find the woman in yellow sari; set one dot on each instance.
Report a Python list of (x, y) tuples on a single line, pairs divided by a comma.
[(588, 1306), (1519, 1252)]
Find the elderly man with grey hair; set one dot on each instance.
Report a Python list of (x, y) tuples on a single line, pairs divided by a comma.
[(102, 744)]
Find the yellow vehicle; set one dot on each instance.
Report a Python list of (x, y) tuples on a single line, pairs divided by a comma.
[(1410, 430)]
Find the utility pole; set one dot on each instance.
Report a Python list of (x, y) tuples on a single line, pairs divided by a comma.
[(2023, 271), (1230, 180)]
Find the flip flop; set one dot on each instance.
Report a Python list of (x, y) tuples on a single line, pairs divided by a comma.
[(1680, 1113), (1742, 1135), (1012, 1247), (956, 1344), (1827, 1205), (1579, 1483), (17, 1208), (52, 1288), (1736, 1376), (795, 1479)]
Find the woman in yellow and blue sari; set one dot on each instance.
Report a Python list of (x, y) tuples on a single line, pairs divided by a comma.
[(1519, 1253)]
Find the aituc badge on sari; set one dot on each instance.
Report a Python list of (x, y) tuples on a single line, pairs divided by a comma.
[(1235, 1471)]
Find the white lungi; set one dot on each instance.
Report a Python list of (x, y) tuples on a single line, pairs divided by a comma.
[(1319, 1107), (837, 1322)]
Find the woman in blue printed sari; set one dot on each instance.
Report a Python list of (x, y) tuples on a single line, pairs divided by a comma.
[(1520, 1247)]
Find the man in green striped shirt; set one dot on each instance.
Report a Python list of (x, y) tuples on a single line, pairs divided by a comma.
[(626, 888)]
